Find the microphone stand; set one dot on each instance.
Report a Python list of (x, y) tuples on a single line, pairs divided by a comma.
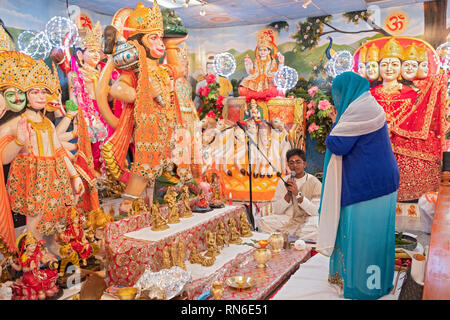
[(249, 142)]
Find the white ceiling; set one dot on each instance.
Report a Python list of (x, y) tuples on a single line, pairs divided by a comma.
[(222, 13)]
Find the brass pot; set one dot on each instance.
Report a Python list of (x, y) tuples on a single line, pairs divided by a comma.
[(276, 241), (262, 255)]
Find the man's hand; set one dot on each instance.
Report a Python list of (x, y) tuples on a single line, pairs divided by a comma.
[(292, 186)]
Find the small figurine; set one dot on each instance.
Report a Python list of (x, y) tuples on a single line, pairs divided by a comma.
[(158, 222), (166, 258), (186, 211), (137, 207), (35, 283), (74, 234), (217, 290), (211, 245), (245, 226), (181, 254), (67, 255), (173, 254), (202, 202), (171, 199), (222, 235), (194, 256), (234, 233)]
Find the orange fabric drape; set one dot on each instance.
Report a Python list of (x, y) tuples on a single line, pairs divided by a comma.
[(7, 235)]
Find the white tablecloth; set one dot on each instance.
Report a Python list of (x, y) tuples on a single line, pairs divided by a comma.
[(185, 224), (310, 282)]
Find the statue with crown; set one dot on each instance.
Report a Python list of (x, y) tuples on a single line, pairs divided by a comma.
[(42, 181), (151, 114), (406, 81)]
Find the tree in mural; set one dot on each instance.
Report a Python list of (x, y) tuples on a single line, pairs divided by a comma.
[(311, 30)]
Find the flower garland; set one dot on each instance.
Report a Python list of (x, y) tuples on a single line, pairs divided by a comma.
[(211, 102), (318, 121)]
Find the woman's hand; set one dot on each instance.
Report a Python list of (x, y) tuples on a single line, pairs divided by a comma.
[(78, 188)]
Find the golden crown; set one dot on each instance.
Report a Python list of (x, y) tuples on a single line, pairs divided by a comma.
[(422, 54), (40, 76), (25, 239), (373, 53), (392, 49), (266, 38), (14, 68), (146, 20), (6, 43), (363, 54), (411, 52), (92, 38)]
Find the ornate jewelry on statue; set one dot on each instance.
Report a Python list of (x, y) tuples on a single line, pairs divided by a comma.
[(93, 37), (41, 76)]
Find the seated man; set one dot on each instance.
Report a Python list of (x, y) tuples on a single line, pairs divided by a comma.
[(303, 221)]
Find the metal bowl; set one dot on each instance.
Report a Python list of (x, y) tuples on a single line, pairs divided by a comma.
[(411, 246), (240, 282), (127, 293)]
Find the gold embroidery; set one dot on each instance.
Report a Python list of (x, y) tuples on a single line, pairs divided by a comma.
[(336, 279), (38, 127)]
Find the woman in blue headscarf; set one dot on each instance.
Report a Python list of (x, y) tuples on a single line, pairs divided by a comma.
[(359, 193)]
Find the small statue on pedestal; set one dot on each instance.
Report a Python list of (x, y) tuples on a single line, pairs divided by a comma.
[(158, 222), (67, 254), (186, 211), (245, 226), (171, 199), (137, 207), (202, 202), (234, 233), (211, 245), (181, 250)]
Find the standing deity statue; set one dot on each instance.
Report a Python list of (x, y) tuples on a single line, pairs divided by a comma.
[(372, 67), (186, 207), (171, 199), (37, 158), (151, 114), (158, 222), (259, 84), (414, 102)]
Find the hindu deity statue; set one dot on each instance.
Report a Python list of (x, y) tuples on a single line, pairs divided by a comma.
[(151, 113), (74, 235), (259, 83), (410, 64), (13, 70), (372, 67), (171, 199), (234, 233), (158, 222), (245, 226), (37, 157), (181, 254), (222, 235), (36, 282), (186, 211), (362, 60), (414, 112), (211, 245)]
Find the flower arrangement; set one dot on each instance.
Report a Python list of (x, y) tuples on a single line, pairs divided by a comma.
[(318, 120), (211, 102)]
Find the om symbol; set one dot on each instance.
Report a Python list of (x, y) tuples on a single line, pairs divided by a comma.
[(396, 22)]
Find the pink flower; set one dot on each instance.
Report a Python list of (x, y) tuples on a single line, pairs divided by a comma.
[(313, 127), (211, 114), (210, 79), (312, 90), (324, 105), (204, 91), (309, 113), (220, 99), (311, 104)]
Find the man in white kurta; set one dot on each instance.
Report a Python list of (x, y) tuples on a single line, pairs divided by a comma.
[(306, 188)]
